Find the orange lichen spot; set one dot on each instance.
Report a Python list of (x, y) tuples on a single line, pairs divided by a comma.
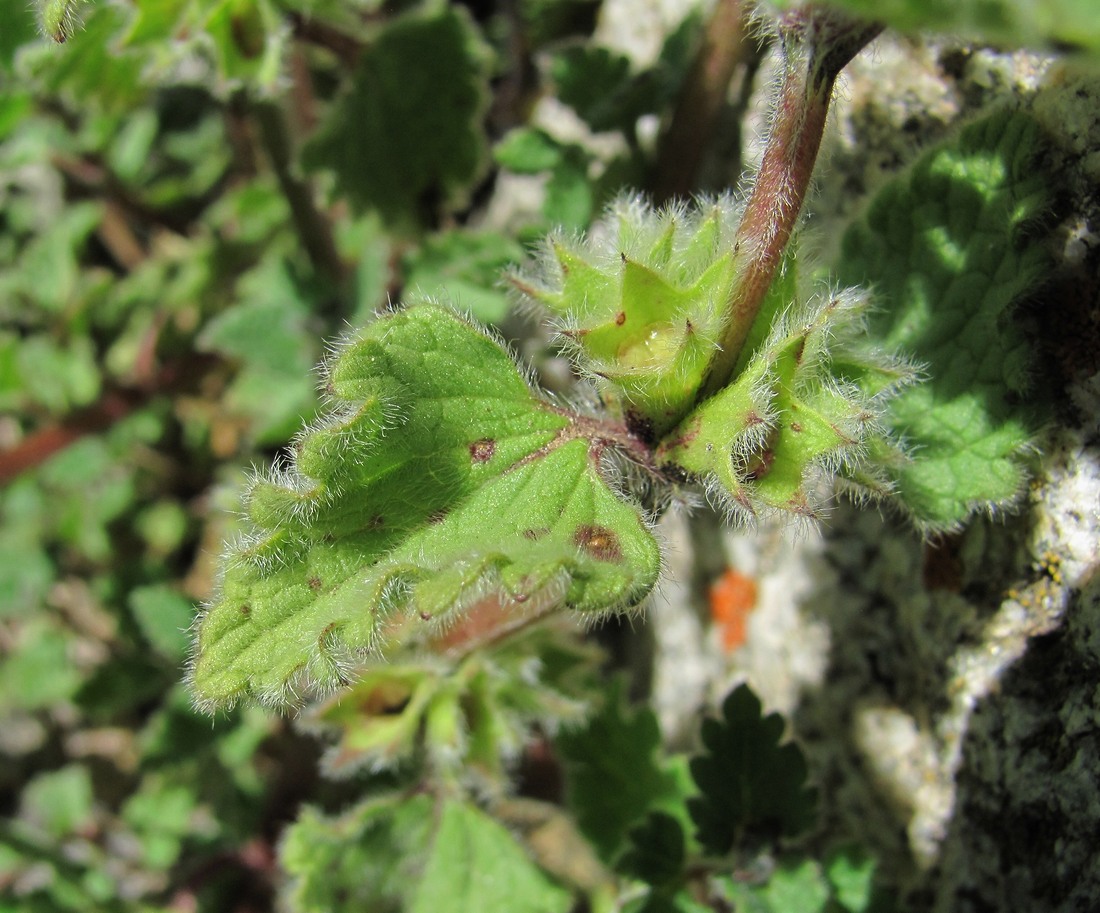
[(732, 599)]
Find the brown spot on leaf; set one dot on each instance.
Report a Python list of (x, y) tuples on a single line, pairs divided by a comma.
[(481, 451), (599, 541), (246, 610), (796, 427), (620, 318), (315, 583), (800, 351)]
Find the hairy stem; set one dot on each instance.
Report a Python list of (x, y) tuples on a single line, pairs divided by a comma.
[(817, 44)]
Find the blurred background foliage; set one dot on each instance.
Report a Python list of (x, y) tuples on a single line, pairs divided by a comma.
[(194, 195)]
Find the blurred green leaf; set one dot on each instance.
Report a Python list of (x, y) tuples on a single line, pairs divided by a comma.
[(528, 150), (598, 83), (49, 273), (465, 268), (656, 854), (850, 871), (750, 783), (604, 88), (249, 41), (407, 137), (164, 617), (1041, 24), (369, 858), (475, 864), (19, 28), (38, 672), (613, 775), (266, 332), (163, 815), (92, 70), (795, 885), (133, 143), (413, 854), (60, 801)]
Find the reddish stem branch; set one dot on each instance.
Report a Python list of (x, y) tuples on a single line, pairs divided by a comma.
[(313, 31), (724, 47), (818, 44), (113, 406), (44, 443)]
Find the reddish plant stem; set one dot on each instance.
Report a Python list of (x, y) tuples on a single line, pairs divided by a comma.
[(347, 48), (113, 406), (313, 227), (35, 449), (818, 44), (724, 47)]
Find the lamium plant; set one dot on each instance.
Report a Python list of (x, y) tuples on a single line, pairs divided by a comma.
[(390, 701), (443, 486)]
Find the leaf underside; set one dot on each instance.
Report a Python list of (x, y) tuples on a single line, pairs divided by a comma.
[(439, 479)]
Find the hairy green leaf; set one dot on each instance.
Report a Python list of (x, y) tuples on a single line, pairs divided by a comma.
[(766, 441), (750, 783), (640, 303), (440, 478), (945, 251)]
